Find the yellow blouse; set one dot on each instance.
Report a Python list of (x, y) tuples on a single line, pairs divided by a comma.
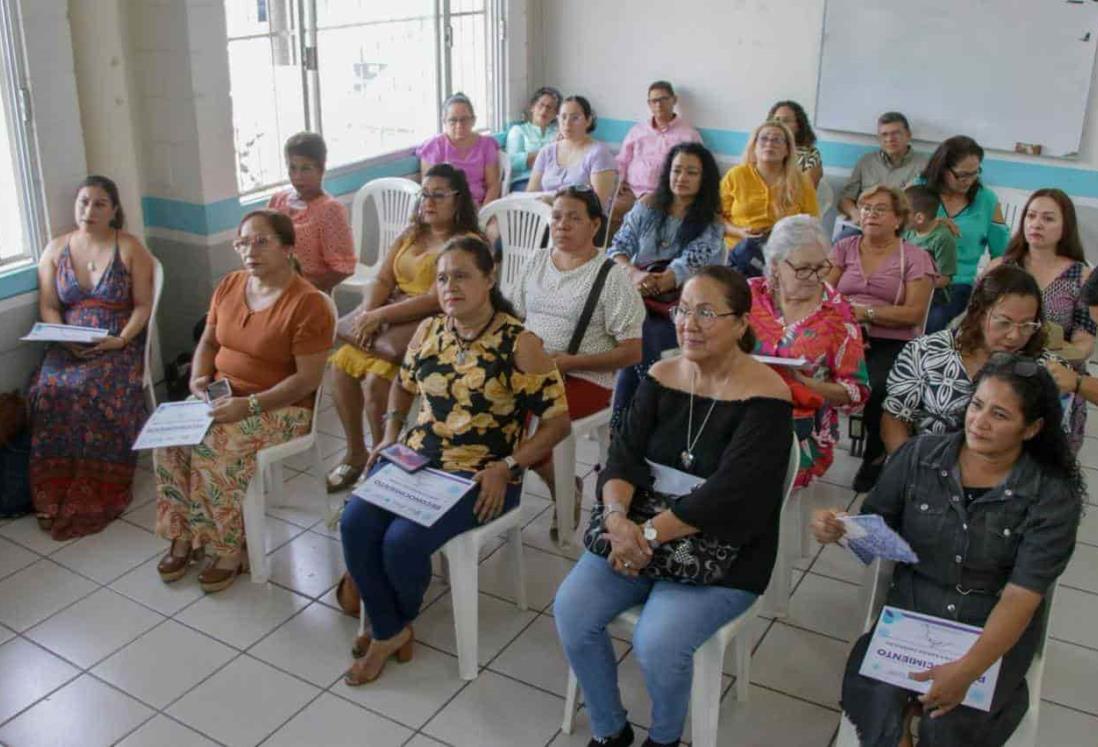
[(746, 200)]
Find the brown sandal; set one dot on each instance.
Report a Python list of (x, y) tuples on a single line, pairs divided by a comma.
[(403, 655), (173, 567), (214, 579), (362, 644), (347, 595)]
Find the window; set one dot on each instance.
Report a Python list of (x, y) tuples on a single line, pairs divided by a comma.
[(369, 75), (22, 223)]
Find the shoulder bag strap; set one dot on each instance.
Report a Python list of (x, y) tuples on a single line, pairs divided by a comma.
[(589, 307)]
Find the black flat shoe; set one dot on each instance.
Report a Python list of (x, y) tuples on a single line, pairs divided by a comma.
[(649, 742), (623, 738)]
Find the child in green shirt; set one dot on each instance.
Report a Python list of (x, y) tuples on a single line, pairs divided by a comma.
[(924, 229)]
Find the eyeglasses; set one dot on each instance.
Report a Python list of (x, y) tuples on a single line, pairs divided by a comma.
[(771, 140), (1020, 365), (809, 272), (259, 240), (435, 196), (965, 175), (1001, 325), (705, 315), (875, 209), (455, 121), (659, 100)]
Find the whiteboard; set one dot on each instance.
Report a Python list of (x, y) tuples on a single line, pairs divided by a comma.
[(1001, 71)]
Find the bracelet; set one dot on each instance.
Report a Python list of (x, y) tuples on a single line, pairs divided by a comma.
[(1078, 382), (254, 408), (870, 312)]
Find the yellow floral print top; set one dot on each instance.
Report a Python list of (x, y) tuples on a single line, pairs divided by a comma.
[(473, 413)]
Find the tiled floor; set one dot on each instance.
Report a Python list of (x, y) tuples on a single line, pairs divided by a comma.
[(95, 650)]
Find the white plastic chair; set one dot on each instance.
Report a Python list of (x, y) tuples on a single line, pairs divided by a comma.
[(1011, 202), (825, 196), (597, 427), (522, 223), (393, 200), (268, 475), (610, 210), (705, 689), (504, 173), (148, 386), (875, 591)]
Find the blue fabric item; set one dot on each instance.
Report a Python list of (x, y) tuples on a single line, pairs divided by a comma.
[(747, 257)]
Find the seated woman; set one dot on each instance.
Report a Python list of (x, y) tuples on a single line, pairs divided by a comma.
[(888, 281), (376, 334), (1015, 529), (552, 298), (930, 384), (86, 402), (267, 333), (713, 416), (526, 139), (325, 245), (669, 234), (576, 159), (796, 315), (765, 186), (480, 376), (792, 115), (461, 146)]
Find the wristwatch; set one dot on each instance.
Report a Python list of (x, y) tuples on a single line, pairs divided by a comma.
[(651, 536), (254, 408), (870, 312), (514, 469)]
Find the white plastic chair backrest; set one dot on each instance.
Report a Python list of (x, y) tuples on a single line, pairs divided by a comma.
[(393, 200), (610, 210), (320, 389), (504, 173), (825, 196), (1011, 202), (522, 223), (879, 577), (151, 331)]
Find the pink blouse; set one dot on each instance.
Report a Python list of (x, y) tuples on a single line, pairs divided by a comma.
[(473, 161), (324, 242)]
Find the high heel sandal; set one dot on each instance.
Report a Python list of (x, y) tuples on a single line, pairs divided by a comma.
[(214, 579), (362, 645), (403, 655), (173, 567)]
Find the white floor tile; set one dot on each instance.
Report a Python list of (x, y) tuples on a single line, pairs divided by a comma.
[(827, 606), (36, 592), (409, 693), (304, 505), (1070, 676), (1063, 727), (536, 657), (95, 627), (333, 722), (144, 490), (280, 532), (315, 645), (143, 584), (581, 733), (484, 715), (1074, 614), (13, 557), (536, 534), (143, 516), (6, 634), (163, 732), (770, 718), (27, 673), (544, 573), (25, 531), (422, 740), (164, 663), (756, 629), (243, 703), (837, 562), (105, 556), (84, 713), (1082, 571), (1088, 453), (243, 613), (309, 564), (1088, 526), (800, 663), (498, 624)]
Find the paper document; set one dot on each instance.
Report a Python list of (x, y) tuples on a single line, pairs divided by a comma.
[(175, 424), (670, 481), (45, 332), (868, 537), (906, 642), (773, 360), (421, 496)]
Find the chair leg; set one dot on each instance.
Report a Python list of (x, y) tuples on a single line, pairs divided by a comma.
[(776, 598), (571, 703), (705, 694), (462, 558), (255, 529), (361, 618), (518, 564), (805, 507), (564, 473), (742, 644)]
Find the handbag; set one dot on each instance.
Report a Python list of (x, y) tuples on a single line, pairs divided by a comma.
[(389, 342), (660, 304)]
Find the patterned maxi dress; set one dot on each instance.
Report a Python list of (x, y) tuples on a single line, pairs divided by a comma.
[(86, 413)]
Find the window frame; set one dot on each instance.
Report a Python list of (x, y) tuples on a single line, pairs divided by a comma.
[(15, 99), (304, 37)]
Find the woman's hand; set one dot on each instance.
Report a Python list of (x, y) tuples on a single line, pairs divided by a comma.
[(229, 409), (950, 683), (493, 481), (1066, 378), (198, 386), (110, 342), (366, 326), (76, 350), (639, 278), (629, 550), (375, 453), (826, 526), (564, 362)]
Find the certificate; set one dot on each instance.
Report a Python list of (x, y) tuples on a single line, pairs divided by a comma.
[(421, 496), (906, 642), (869, 537), (175, 424), (773, 360), (45, 332)]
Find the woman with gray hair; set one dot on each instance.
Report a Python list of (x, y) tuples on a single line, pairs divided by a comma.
[(796, 314)]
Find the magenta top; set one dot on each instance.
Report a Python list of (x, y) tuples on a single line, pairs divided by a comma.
[(887, 286), (472, 160)]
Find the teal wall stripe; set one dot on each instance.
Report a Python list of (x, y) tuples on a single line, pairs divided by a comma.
[(14, 282)]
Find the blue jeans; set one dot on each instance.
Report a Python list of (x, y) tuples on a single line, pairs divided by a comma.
[(658, 335), (941, 314), (677, 619), (389, 557), (747, 256)]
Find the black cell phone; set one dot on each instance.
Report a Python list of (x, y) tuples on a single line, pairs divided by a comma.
[(407, 459), (218, 389)]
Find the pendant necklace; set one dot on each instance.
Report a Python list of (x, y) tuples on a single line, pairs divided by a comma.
[(687, 456), (464, 343)]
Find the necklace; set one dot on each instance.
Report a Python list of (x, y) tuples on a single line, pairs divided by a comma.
[(464, 343), (687, 455)]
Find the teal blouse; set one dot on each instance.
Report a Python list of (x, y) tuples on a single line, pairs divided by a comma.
[(523, 139), (978, 230)]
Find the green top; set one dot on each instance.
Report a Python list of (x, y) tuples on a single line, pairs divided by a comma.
[(940, 244), (978, 231), (524, 138)]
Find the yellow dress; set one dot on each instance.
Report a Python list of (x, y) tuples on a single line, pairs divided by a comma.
[(414, 276)]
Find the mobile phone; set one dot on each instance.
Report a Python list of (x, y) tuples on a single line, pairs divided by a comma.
[(407, 459), (218, 389)]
